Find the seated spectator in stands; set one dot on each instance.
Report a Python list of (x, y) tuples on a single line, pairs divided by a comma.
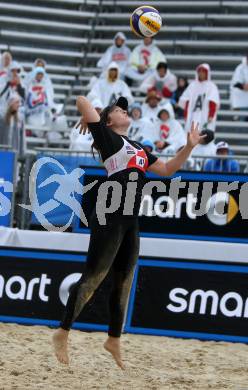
[(139, 128), (200, 100), (148, 145), (160, 80), (152, 106), (11, 126), (40, 63), (169, 134), (143, 60), (182, 84), (5, 61), (118, 53), (80, 141), (109, 88), (39, 101), (239, 86), (222, 165), (10, 87)]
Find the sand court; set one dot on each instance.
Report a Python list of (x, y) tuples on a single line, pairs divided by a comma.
[(154, 363)]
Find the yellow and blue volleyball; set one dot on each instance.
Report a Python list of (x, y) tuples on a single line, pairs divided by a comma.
[(145, 21)]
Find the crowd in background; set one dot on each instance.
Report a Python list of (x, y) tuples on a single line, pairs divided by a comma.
[(170, 104), (160, 123), (25, 98)]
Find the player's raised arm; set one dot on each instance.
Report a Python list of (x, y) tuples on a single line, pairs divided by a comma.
[(88, 112), (173, 165)]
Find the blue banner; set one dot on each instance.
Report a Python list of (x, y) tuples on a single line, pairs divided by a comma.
[(7, 170)]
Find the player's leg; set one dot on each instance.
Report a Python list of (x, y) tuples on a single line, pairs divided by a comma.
[(104, 244), (123, 271)]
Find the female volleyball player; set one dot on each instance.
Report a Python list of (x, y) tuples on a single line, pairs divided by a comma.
[(116, 244)]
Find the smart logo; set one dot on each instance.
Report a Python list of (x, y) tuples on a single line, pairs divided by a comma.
[(232, 208), (66, 285)]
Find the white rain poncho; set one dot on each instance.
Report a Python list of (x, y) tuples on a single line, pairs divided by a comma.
[(49, 86), (79, 141), (238, 96), (142, 54), (107, 92), (39, 99), (120, 55), (198, 95), (3, 70), (139, 129), (10, 90), (170, 132), (152, 113), (157, 82)]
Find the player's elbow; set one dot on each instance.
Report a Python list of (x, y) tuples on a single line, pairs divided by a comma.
[(161, 169), (80, 101)]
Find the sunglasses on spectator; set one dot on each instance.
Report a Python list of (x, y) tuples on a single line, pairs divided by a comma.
[(17, 70)]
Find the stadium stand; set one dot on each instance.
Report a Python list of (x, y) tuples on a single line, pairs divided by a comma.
[(71, 36)]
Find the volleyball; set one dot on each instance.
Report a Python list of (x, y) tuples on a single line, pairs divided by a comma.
[(145, 21)]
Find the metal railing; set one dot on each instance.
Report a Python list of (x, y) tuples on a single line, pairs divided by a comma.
[(195, 162)]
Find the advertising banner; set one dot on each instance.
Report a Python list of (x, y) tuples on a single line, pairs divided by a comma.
[(178, 298), (7, 172), (34, 288), (190, 299), (163, 216)]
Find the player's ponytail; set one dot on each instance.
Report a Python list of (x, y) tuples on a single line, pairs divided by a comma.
[(94, 146)]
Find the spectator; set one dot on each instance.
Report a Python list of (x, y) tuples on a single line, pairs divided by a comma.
[(160, 80), (39, 101), (143, 60), (200, 100), (5, 61), (169, 134), (118, 53), (148, 145), (239, 86), (11, 126), (10, 87), (108, 89), (182, 84), (152, 106), (40, 63), (80, 141), (140, 128), (222, 165)]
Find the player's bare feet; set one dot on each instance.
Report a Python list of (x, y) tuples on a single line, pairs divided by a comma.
[(60, 340), (112, 345)]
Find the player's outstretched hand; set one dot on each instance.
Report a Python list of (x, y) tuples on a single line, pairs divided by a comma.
[(194, 137), (83, 126)]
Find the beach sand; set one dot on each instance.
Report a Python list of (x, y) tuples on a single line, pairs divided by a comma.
[(153, 363)]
